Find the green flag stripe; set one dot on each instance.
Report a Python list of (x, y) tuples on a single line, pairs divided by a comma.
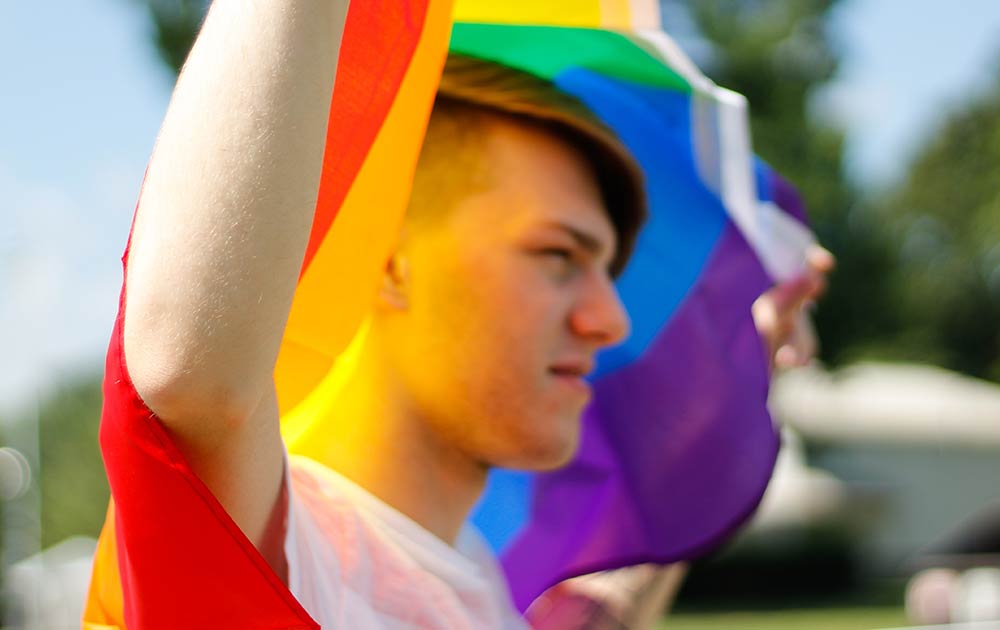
[(547, 51)]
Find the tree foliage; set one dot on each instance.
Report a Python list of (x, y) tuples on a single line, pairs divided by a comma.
[(74, 488), (70, 474), (175, 24), (946, 216)]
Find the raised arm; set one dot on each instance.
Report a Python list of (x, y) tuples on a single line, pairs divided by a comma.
[(220, 235)]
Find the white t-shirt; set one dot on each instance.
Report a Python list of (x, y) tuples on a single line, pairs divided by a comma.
[(355, 562)]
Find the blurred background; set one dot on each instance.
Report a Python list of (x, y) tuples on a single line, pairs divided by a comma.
[(886, 115)]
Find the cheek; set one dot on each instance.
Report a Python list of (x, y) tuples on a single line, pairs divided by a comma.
[(479, 371), (487, 350), (509, 332), (492, 325), (489, 330), (506, 318)]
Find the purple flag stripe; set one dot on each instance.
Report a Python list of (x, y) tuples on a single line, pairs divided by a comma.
[(677, 448)]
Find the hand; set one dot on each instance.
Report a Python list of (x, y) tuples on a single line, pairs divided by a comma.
[(781, 314), (634, 597)]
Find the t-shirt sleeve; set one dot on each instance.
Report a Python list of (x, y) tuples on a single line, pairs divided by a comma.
[(182, 562)]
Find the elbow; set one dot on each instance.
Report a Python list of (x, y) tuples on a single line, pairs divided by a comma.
[(192, 375), (190, 396)]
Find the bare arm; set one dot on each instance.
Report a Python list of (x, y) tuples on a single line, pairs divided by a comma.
[(220, 235)]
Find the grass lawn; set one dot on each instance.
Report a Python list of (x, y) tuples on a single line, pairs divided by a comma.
[(848, 618)]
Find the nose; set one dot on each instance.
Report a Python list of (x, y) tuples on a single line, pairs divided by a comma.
[(599, 315)]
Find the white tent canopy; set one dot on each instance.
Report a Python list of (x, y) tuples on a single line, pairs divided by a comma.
[(889, 403)]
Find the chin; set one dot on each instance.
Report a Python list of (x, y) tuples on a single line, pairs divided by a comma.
[(553, 461), (545, 453)]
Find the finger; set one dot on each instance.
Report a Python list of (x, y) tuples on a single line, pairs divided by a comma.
[(786, 357), (804, 338), (819, 286), (800, 345), (789, 294), (820, 259)]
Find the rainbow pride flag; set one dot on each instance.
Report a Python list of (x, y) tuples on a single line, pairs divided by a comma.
[(677, 445)]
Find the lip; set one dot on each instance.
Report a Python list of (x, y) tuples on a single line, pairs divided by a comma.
[(573, 373), (573, 366), (577, 384)]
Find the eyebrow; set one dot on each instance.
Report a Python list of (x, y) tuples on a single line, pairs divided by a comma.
[(587, 241)]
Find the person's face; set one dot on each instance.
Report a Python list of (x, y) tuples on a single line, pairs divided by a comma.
[(507, 300)]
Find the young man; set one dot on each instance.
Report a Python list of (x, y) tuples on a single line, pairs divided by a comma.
[(492, 309)]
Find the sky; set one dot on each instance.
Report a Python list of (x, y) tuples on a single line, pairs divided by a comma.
[(82, 101), (905, 63), (83, 95)]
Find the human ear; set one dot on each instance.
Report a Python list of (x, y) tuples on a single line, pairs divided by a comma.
[(394, 291)]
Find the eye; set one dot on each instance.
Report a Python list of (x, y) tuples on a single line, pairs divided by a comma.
[(558, 252), (561, 261)]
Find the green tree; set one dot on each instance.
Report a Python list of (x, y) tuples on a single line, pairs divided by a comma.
[(70, 474), (946, 215), (74, 488), (175, 24)]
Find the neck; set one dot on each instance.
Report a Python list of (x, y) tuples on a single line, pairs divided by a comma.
[(376, 438)]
